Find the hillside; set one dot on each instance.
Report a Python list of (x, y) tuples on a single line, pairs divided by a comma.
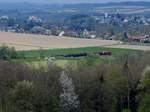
[(128, 7)]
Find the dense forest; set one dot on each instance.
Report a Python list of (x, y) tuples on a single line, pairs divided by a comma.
[(121, 86)]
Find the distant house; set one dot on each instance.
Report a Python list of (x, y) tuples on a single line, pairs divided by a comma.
[(125, 21), (140, 38), (109, 36), (34, 19), (4, 17), (38, 30), (71, 33), (10, 29), (61, 34), (112, 37), (47, 32), (92, 34), (85, 33), (89, 34)]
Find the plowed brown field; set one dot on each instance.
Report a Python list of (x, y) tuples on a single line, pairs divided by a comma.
[(29, 41), (34, 42)]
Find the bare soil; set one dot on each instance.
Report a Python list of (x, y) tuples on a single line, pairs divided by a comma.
[(31, 42)]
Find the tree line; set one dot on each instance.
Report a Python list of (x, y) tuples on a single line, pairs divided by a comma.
[(121, 86)]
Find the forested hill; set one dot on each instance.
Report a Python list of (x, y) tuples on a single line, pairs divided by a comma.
[(28, 6), (110, 4), (33, 6)]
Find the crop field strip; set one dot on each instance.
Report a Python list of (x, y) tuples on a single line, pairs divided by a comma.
[(23, 42), (35, 42)]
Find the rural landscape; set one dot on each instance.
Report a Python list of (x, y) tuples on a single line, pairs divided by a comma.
[(77, 56)]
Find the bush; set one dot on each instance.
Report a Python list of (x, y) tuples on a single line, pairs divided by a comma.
[(7, 53)]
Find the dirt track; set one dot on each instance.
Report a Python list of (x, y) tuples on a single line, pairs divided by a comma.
[(33, 42)]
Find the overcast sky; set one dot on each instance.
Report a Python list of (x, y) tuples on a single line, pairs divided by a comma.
[(69, 1)]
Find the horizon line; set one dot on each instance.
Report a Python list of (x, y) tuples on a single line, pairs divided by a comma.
[(61, 3)]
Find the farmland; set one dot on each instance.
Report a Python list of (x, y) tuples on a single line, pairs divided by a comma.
[(35, 42), (23, 42), (57, 52), (34, 48), (37, 58)]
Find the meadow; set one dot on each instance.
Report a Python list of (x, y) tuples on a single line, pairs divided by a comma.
[(38, 58), (58, 52)]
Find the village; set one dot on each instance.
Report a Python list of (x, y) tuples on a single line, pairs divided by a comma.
[(106, 26)]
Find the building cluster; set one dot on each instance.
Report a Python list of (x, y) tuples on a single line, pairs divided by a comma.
[(123, 19), (36, 25), (140, 38)]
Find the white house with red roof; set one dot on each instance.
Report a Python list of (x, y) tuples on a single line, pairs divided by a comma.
[(140, 38)]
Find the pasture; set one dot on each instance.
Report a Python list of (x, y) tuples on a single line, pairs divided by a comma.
[(37, 57), (58, 52)]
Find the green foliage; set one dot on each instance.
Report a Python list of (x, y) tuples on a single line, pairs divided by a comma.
[(100, 87), (23, 89), (145, 81), (126, 110), (145, 104), (144, 96), (7, 53), (22, 97)]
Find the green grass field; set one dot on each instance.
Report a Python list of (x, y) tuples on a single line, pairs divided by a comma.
[(57, 52), (36, 58)]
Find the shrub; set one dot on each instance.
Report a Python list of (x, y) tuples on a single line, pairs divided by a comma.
[(7, 53)]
